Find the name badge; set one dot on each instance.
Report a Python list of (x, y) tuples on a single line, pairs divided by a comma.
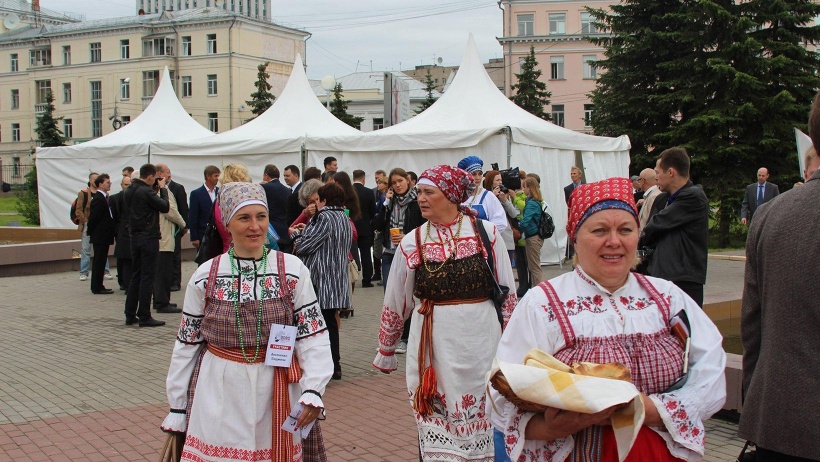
[(280, 345)]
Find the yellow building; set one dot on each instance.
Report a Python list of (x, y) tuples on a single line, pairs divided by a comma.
[(104, 72)]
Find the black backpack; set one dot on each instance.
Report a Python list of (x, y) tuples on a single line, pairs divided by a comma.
[(546, 227)]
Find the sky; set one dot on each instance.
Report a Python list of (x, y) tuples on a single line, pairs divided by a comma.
[(378, 34)]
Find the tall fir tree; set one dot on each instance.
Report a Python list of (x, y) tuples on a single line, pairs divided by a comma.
[(262, 98), (429, 87), (338, 107), (531, 93), (48, 135)]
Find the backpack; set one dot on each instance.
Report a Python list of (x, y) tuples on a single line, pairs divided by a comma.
[(546, 227), (72, 214)]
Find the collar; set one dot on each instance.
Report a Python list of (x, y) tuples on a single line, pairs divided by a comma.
[(585, 277), (674, 196), (761, 185), (210, 190), (653, 188)]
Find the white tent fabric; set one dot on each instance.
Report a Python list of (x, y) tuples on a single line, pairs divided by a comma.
[(474, 118), (276, 136), (62, 171)]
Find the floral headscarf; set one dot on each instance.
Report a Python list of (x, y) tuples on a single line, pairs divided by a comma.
[(586, 199), (455, 183), (234, 196)]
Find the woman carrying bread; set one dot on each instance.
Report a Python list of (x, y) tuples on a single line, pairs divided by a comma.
[(603, 313)]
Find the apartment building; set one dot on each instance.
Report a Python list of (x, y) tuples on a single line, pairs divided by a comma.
[(257, 9), (559, 31), (103, 73)]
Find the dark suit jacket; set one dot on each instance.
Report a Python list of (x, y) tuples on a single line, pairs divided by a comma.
[(568, 191), (101, 225), (293, 208), (367, 203), (181, 197), (749, 205), (277, 196), (123, 247), (199, 212), (779, 319)]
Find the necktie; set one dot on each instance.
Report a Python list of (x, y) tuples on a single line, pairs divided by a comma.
[(759, 195)]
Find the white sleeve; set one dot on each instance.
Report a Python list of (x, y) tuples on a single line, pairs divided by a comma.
[(495, 212), (398, 303), (684, 410), (509, 207)]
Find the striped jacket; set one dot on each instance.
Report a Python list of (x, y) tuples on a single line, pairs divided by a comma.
[(323, 246)]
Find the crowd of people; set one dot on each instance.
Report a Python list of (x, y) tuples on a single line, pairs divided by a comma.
[(443, 245)]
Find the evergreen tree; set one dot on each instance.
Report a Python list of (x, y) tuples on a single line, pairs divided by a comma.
[(429, 87), (262, 98), (532, 94), (48, 135), (338, 107)]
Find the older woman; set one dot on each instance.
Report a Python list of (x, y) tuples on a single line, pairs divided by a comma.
[(601, 312), (455, 330), (238, 403), (231, 173), (324, 244)]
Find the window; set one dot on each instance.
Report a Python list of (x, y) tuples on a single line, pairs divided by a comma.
[(66, 55), (187, 86), (525, 24), (125, 120), (558, 114), (558, 23), (15, 132), (556, 67), (125, 89), (40, 57), (125, 49), (150, 82), (96, 108), (588, 109), (160, 46), (590, 71), (15, 62), (588, 24), (66, 93), (43, 88), (378, 123), (186, 46), (68, 128), (96, 52), (213, 122), (211, 84), (15, 99), (211, 44), (16, 167)]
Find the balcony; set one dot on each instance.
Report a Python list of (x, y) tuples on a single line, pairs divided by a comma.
[(40, 108)]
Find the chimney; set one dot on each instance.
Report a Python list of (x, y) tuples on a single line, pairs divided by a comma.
[(35, 5)]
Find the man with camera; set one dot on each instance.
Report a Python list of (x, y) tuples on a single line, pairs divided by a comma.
[(144, 200)]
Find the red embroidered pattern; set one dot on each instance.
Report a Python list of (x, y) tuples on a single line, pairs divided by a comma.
[(507, 308), (223, 452), (689, 429), (391, 327)]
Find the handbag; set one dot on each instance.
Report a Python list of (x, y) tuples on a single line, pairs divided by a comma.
[(211, 243), (499, 294), (172, 449)]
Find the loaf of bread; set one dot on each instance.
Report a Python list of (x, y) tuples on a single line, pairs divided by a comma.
[(615, 371)]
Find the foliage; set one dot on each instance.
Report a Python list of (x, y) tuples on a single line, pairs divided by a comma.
[(262, 98), (429, 87), (48, 134), (338, 107), (727, 80), (28, 204), (531, 94)]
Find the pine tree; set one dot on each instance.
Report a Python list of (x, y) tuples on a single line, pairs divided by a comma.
[(48, 135), (338, 107), (429, 87), (532, 94), (262, 98)]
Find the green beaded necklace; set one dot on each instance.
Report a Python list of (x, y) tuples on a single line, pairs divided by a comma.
[(238, 271)]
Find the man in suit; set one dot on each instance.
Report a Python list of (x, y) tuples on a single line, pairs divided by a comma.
[(101, 231), (757, 194), (122, 249), (202, 204), (181, 198), (575, 176), (277, 195), (367, 204), (294, 208), (778, 327)]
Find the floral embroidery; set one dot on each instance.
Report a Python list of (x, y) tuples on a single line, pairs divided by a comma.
[(465, 419), (507, 308), (221, 452), (688, 429), (391, 327), (189, 329), (309, 321)]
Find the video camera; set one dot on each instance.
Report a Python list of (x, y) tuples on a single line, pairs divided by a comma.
[(510, 178)]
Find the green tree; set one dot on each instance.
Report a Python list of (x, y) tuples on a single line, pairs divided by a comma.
[(531, 94), (48, 135), (338, 107), (262, 98), (429, 87)]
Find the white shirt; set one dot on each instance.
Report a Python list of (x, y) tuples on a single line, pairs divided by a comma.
[(492, 207)]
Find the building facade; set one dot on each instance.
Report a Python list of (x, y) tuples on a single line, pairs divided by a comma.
[(257, 9), (104, 73), (559, 32)]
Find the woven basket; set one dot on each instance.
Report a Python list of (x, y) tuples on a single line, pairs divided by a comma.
[(499, 382), (172, 449)]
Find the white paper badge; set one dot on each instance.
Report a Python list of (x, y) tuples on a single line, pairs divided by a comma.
[(280, 345), (290, 422)]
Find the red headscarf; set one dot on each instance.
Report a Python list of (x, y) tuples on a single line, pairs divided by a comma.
[(586, 199), (455, 183)]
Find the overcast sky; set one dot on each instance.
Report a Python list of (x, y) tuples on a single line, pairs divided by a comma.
[(392, 35)]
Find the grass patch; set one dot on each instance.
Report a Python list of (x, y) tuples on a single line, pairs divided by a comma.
[(8, 203)]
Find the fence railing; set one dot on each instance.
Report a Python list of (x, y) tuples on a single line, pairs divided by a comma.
[(14, 174)]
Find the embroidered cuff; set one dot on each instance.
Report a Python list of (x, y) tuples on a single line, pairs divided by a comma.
[(386, 363), (312, 398), (685, 429), (175, 422)]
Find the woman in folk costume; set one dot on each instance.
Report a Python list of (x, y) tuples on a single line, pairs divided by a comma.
[(455, 330), (235, 403), (602, 313)]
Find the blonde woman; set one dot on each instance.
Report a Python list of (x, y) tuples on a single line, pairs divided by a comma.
[(529, 226), (231, 173)]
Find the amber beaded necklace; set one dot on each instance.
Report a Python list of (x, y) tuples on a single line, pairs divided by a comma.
[(452, 241)]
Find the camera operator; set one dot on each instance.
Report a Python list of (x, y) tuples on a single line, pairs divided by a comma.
[(144, 200)]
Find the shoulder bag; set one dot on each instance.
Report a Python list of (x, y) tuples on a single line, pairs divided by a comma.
[(211, 243), (499, 293)]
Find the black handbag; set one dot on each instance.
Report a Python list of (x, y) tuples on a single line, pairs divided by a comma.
[(211, 243), (746, 454), (499, 294)]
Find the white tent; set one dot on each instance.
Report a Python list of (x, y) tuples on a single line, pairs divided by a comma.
[(62, 171), (474, 118), (276, 136)]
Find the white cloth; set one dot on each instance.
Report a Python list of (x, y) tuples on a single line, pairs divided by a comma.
[(492, 207), (464, 342), (599, 314), (232, 408), (512, 213)]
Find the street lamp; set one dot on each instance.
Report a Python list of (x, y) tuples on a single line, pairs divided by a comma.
[(329, 84), (114, 118)]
